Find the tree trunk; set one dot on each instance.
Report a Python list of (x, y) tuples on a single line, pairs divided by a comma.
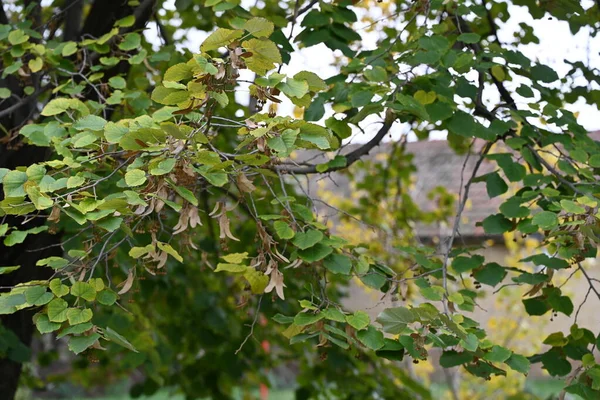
[(100, 20)]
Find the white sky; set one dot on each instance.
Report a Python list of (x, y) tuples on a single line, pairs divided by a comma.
[(556, 45)]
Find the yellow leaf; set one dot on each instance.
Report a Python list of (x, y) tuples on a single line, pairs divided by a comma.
[(498, 72), (424, 97)]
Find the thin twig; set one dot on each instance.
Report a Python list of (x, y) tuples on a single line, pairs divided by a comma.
[(256, 314)]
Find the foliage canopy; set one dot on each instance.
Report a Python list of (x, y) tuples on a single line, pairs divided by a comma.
[(147, 211)]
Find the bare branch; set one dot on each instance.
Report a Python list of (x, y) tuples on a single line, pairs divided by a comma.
[(301, 11), (351, 157), (256, 314), (24, 101), (461, 208), (553, 170)]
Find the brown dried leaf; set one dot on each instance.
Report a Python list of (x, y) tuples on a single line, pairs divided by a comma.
[(128, 283)]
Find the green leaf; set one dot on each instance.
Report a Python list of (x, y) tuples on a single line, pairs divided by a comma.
[(561, 304), (235, 268), (376, 74), (410, 105), (545, 220), (293, 88), (235, 258), (69, 49), (258, 281), (106, 297), (57, 310), (453, 358), (283, 230), (35, 65), (469, 38), (543, 73), (75, 329), (491, 274), (78, 344), (55, 107), (114, 132), (115, 337), (308, 318), (318, 140), (304, 240), (536, 306), (75, 181), (512, 209), (259, 27), (556, 339), (53, 262), (315, 253), (44, 325), (84, 290), (519, 363), (495, 185), (90, 122), (496, 224), (219, 38), (137, 252), (334, 314), (131, 41), (13, 184), (463, 264), (498, 354), (424, 97), (547, 261), (338, 264), (265, 55), (340, 128), (163, 167), (79, 316), (315, 83), (572, 207), (594, 161), (169, 96), (17, 37), (359, 320), (178, 72), (371, 337), (514, 171), (126, 22), (58, 288), (8, 270), (117, 82), (394, 320), (186, 194), (38, 296), (555, 362), (470, 342), (167, 248), (135, 177), (15, 237)]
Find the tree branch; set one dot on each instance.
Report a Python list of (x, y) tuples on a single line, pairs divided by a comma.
[(351, 157), (73, 10), (301, 11), (553, 170), (24, 101), (162, 30), (3, 16)]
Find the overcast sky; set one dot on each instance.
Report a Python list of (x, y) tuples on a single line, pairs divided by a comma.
[(556, 45)]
